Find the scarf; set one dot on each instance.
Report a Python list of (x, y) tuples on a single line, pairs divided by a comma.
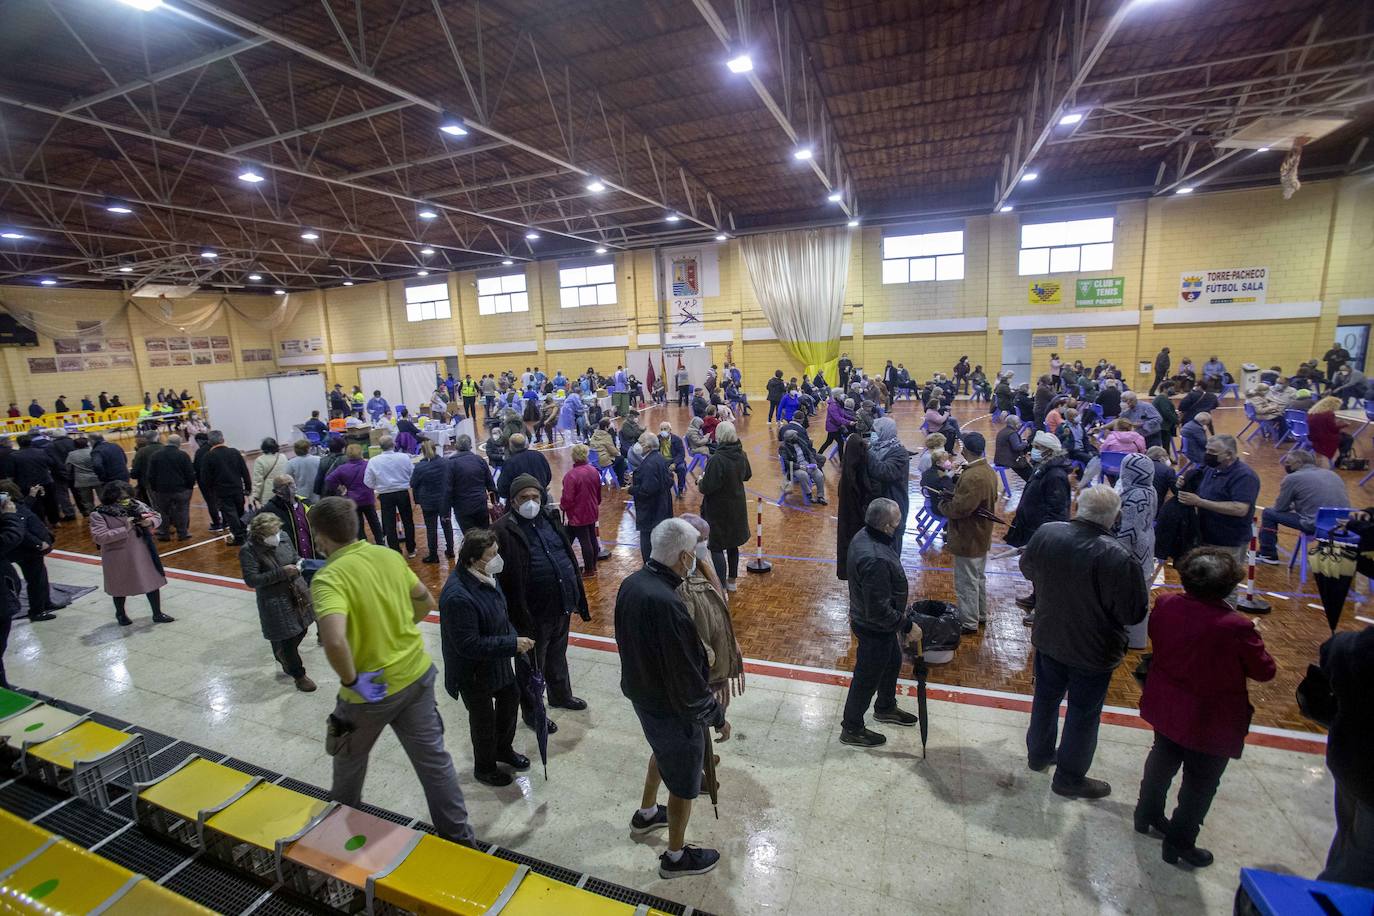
[(131, 509)]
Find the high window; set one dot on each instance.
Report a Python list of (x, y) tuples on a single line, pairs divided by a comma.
[(928, 256), (427, 301), (1068, 246), (591, 284), (502, 294)]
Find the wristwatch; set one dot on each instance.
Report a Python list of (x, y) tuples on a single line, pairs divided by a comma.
[(350, 683)]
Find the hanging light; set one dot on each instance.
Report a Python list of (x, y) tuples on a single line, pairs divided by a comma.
[(507, 262), (348, 283), (255, 277), (720, 237), (145, 6), (427, 212), (422, 273), (209, 255), (251, 175), (310, 235), (11, 235), (126, 269), (852, 223), (453, 125), (673, 217), (48, 281), (1005, 208), (803, 153), (426, 251), (531, 236), (1184, 190), (1030, 176), (1071, 118), (740, 63), (835, 197), (600, 249), (118, 207), (279, 292), (596, 186)]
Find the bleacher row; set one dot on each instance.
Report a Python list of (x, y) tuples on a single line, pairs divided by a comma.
[(102, 818), (93, 421)]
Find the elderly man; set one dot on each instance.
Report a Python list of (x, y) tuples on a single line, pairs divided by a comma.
[(227, 478), (1079, 634), (889, 472), (1305, 489), (877, 615), (171, 477), (664, 676), (971, 511), (1011, 448), (522, 459), (652, 489), (389, 475), (369, 604), (1347, 383), (470, 487), (543, 588), (800, 461), (1143, 417), (1194, 435), (1225, 499), (1214, 369)]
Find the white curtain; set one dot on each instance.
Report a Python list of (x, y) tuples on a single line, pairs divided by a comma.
[(799, 279), (163, 312)]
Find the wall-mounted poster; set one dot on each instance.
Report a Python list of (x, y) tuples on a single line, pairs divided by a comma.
[(204, 359), (1099, 292), (264, 356), (92, 346), (1232, 286), (159, 360), (122, 361), (178, 343), (70, 364), (1044, 292), (250, 356), (220, 343), (181, 359), (97, 362), (223, 357), (155, 344), (200, 343), (119, 345), (66, 345), (42, 365)]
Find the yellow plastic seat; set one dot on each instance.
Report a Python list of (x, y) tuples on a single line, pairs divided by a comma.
[(538, 895), (265, 814), (85, 741), (439, 877), (65, 878), (147, 898), (195, 786), (350, 845), (36, 724), (18, 838)]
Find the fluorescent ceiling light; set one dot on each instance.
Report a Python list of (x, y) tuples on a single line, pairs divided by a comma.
[(600, 249), (453, 125), (279, 292), (1070, 119), (802, 153), (255, 276), (1262, 149), (310, 235), (532, 236), (740, 63), (1005, 208), (117, 206), (426, 251), (146, 6), (11, 235), (507, 262), (348, 283), (1030, 176), (721, 237), (422, 273), (48, 282), (673, 217), (251, 175), (835, 197), (428, 213), (596, 186), (126, 269), (209, 255), (852, 223), (1184, 190)]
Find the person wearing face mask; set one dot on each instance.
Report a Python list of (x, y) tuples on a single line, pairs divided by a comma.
[(285, 611), (543, 588), (479, 642), (937, 482), (674, 451), (290, 509), (1046, 498), (1225, 498), (889, 471), (651, 485), (581, 505), (1305, 489), (704, 595), (664, 673)]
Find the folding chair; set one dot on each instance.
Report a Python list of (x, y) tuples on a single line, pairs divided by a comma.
[(1110, 463), (789, 479), (1006, 486), (1328, 518)]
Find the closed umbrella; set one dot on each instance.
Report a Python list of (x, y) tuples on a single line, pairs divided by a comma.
[(532, 685), (920, 670), (709, 774), (1333, 566)]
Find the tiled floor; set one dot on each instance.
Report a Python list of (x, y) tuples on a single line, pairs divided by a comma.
[(806, 825)]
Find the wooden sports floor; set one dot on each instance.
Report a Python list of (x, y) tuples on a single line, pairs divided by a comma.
[(797, 613)]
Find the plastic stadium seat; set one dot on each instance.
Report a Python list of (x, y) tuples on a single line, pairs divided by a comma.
[(245, 832), (538, 895), (146, 897), (442, 877), (36, 724), (172, 805), (64, 878), (86, 757), (333, 860), (18, 838)]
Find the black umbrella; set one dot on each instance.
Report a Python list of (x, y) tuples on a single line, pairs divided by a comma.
[(532, 685), (1333, 566), (709, 773), (920, 669)]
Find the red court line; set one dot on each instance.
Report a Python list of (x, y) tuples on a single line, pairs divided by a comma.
[(834, 678)]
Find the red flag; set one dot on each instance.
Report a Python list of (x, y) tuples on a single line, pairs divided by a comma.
[(679, 362), (649, 378)]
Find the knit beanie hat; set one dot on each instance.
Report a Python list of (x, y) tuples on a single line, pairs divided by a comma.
[(975, 444), (1042, 440), (525, 481)]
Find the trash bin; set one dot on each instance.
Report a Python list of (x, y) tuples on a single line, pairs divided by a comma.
[(1249, 377)]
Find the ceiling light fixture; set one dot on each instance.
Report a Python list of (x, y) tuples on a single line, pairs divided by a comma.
[(673, 217), (348, 283), (422, 273), (507, 262), (47, 281), (251, 175), (255, 277), (1005, 208), (209, 255), (1184, 190), (1262, 149), (310, 235), (600, 249), (126, 269), (596, 186), (740, 63), (1071, 119), (531, 236), (146, 6), (803, 153), (427, 212), (426, 251), (119, 207), (721, 237), (835, 197), (279, 292), (1030, 176), (453, 125), (852, 223), (12, 236)]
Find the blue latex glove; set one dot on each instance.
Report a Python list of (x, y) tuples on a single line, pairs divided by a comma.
[(369, 687)]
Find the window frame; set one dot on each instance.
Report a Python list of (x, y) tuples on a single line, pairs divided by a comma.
[(415, 310), (586, 288), (1060, 244), (930, 253), (489, 304)]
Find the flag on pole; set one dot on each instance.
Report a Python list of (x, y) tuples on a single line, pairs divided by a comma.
[(649, 379)]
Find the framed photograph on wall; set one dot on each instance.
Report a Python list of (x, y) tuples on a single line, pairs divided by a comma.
[(119, 345), (155, 344), (200, 343), (70, 364), (204, 359), (122, 361), (97, 362), (92, 346), (66, 345), (159, 360), (220, 343), (178, 343), (223, 357), (181, 359), (250, 356), (42, 365)]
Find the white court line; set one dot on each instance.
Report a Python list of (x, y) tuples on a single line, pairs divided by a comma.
[(214, 540)]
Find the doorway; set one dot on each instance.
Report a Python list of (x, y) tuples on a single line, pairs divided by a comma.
[(1016, 355), (1355, 339)]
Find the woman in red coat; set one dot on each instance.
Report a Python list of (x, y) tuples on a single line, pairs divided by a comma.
[(1325, 430), (581, 504), (1195, 698)]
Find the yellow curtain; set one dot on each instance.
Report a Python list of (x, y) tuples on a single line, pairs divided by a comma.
[(817, 356)]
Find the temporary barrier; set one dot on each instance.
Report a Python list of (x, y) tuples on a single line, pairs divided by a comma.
[(1250, 602), (759, 564)]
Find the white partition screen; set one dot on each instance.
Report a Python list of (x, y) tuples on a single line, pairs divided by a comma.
[(293, 397), (386, 379), (417, 385), (241, 410), (696, 360)]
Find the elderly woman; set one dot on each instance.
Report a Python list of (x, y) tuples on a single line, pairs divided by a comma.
[(1135, 530), (269, 565), (479, 642), (723, 503), (1195, 698), (1327, 432), (701, 592), (266, 467), (122, 528), (347, 479), (1046, 498), (581, 505)]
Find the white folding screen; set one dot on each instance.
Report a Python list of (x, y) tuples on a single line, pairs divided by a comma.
[(696, 360), (386, 379), (241, 410), (416, 385), (293, 397)]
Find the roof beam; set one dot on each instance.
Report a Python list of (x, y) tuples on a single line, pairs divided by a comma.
[(176, 70), (321, 126)]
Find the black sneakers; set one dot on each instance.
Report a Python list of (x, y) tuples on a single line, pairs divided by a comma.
[(896, 716), (642, 825), (1083, 788), (693, 861), (865, 738)]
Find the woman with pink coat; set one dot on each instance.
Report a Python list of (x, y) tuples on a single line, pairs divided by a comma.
[(1123, 438), (122, 529), (581, 503)]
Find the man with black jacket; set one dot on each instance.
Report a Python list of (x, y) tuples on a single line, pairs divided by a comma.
[(523, 460), (1088, 589), (171, 477), (652, 489), (198, 466), (877, 615), (543, 587), (470, 486), (776, 388), (229, 482), (663, 674), (1348, 662), (59, 448), (1162, 364), (34, 467), (138, 468), (108, 460), (11, 536)]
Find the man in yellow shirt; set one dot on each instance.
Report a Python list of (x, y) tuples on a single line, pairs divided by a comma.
[(369, 602)]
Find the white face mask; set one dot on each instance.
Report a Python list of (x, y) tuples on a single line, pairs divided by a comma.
[(528, 509), (703, 553), (1035, 454), (495, 565), (272, 540), (691, 567)]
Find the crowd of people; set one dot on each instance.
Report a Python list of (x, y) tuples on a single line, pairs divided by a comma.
[(300, 519)]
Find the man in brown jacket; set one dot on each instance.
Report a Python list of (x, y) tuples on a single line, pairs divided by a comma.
[(968, 535)]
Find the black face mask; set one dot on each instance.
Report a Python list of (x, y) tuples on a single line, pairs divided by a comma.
[(1212, 461)]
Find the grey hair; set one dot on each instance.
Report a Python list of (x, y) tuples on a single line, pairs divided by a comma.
[(671, 537), (648, 441), (517, 442), (216, 437), (1300, 459), (463, 443), (1227, 442), (1012, 420), (1202, 417), (881, 511), (725, 432), (386, 443), (696, 521), (174, 439), (1100, 504), (282, 480), (1130, 396)]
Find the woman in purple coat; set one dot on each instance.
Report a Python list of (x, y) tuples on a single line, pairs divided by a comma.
[(837, 420), (122, 528), (347, 480)]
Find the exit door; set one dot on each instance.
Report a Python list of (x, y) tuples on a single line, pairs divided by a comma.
[(1355, 339), (1016, 355)]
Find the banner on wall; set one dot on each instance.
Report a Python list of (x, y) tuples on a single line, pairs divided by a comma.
[(1100, 292), (1228, 286), (686, 324), (1044, 292)]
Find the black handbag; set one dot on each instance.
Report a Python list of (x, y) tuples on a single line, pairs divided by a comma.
[(1315, 699)]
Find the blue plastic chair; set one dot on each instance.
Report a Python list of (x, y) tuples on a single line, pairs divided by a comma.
[(1233, 388), (1006, 486), (929, 526), (1025, 424), (1297, 428), (608, 474), (314, 439), (1110, 463), (1328, 518), (788, 480), (698, 461)]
